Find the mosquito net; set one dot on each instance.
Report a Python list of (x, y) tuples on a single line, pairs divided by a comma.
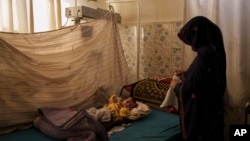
[(61, 68)]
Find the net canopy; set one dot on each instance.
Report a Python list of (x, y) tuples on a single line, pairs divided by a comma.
[(60, 68)]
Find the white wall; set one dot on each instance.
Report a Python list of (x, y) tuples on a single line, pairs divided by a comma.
[(93, 3), (150, 10)]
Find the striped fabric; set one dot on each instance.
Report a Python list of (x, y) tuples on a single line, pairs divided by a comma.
[(61, 68)]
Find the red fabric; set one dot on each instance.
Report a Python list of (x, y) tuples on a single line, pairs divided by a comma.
[(172, 110), (166, 80), (128, 88)]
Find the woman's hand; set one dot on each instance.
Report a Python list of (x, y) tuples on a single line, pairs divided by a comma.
[(173, 83), (177, 78), (179, 73)]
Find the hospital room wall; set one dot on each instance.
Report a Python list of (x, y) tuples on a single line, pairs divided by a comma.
[(150, 10), (153, 49)]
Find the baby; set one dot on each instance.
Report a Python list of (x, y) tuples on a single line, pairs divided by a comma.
[(120, 108)]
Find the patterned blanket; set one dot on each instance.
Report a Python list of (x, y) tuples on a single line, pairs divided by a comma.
[(150, 90)]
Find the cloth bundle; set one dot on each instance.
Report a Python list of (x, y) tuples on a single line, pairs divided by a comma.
[(170, 98), (72, 125), (140, 111)]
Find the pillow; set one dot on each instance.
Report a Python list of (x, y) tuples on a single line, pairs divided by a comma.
[(129, 87), (149, 90), (140, 111)]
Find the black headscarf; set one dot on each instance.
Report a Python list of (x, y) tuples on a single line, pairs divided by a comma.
[(201, 32)]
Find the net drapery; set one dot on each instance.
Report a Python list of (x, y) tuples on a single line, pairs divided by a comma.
[(61, 68)]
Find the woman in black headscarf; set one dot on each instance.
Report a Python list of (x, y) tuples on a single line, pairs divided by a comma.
[(201, 92)]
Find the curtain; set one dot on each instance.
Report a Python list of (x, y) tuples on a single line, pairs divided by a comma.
[(14, 15), (232, 17), (161, 51), (29, 16), (48, 16)]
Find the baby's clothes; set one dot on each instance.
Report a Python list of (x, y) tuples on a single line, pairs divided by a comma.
[(101, 114), (116, 109)]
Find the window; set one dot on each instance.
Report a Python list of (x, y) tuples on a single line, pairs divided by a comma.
[(25, 16)]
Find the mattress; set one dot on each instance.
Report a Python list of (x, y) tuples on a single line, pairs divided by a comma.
[(31, 134), (158, 126)]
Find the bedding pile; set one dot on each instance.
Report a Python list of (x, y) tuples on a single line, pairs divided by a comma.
[(61, 68), (58, 123), (69, 124)]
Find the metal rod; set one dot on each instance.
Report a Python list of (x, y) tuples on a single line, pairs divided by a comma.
[(137, 30)]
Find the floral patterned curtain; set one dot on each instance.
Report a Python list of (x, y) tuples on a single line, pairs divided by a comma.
[(160, 51)]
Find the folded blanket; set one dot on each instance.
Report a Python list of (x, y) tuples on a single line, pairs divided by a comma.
[(72, 125)]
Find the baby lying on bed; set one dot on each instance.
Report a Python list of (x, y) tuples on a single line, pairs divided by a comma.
[(120, 108), (118, 111)]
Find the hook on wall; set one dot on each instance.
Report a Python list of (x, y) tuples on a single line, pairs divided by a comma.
[(111, 8)]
